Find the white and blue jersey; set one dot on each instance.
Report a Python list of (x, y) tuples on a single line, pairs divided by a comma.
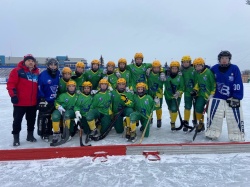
[(228, 84), (47, 86)]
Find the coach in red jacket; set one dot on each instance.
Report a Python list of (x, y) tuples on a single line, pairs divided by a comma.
[(22, 87)]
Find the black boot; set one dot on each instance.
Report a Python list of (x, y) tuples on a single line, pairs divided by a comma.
[(16, 140), (159, 123), (30, 137), (185, 129)]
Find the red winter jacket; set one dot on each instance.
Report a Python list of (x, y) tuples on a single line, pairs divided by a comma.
[(23, 84)]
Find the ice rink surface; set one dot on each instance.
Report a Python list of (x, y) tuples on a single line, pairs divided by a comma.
[(183, 170)]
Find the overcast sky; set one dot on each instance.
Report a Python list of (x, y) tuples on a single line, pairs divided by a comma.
[(160, 29)]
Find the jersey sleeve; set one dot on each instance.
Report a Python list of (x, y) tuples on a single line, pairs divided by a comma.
[(12, 83), (238, 89)]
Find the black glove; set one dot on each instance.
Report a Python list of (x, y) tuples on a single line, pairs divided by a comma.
[(14, 99), (193, 93), (234, 103)]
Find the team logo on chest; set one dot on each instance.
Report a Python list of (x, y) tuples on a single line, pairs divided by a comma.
[(205, 78), (49, 81), (146, 102), (231, 77), (66, 100)]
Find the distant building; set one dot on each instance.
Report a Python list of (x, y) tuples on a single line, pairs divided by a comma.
[(41, 61)]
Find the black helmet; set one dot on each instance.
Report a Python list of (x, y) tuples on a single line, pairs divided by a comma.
[(49, 62), (224, 53)]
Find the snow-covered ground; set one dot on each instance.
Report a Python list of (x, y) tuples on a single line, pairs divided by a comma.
[(186, 170)]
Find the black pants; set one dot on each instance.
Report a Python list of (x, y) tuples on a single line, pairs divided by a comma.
[(30, 115)]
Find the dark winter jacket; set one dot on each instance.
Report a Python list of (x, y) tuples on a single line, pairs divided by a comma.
[(22, 85)]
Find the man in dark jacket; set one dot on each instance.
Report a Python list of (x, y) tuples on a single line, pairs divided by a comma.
[(22, 87)]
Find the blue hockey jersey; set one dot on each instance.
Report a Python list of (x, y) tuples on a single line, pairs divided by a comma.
[(228, 84), (47, 86)]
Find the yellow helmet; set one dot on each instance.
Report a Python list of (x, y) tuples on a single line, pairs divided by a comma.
[(199, 61), (186, 58), (103, 81), (175, 64), (66, 70), (86, 83), (95, 61), (110, 63), (156, 63), (121, 80), (71, 82), (138, 55), (80, 65), (122, 60), (141, 85)]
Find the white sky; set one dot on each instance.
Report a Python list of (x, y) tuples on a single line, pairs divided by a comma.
[(160, 29)]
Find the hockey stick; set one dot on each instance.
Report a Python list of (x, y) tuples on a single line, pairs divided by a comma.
[(149, 119), (178, 110), (65, 134), (195, 119), (103, 135), (80, 133)]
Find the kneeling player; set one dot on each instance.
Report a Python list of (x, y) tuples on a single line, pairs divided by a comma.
[(101, 109), (144, 106), (65, 108), (122, 100), (227, 100), (82, 106)]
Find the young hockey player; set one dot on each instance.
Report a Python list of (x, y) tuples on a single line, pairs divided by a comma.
[(203, 90), (174, 87), (66, 75), (110, 75), (78, 76), (122, 72), (101, 109), (22, 87), (138, 70), (82, 106), (94, 75), (65, 108), (227, 100), (122, 100), (144, 106), (48, 82), (188, 73), (155, 87)]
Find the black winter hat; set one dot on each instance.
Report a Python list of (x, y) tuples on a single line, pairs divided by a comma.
[(29, 56)]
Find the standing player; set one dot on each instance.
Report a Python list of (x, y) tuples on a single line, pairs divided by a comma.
[(203, 90), (48, 82), (122, 72), (110, 75), (155, 87), (94, 75), (78, 76), (227, 100), (188, 74), (174, 87), (138, 70), (66, 75)]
